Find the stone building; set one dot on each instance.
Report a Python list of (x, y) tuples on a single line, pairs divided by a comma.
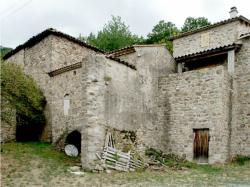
[(207, 103), (195, 104)]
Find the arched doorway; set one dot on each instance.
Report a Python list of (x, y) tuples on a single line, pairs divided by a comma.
[(74, 138)]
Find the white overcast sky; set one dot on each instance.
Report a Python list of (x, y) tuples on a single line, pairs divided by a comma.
[(22, 19)]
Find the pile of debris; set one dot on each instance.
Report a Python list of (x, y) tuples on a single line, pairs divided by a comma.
[(117, 159)]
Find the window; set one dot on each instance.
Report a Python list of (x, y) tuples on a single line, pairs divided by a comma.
[(66, 104)]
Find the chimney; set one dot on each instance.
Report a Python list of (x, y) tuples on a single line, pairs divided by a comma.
[(233, 12)]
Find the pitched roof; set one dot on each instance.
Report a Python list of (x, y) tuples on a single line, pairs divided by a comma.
[(217, 50), (238, 18), (35, 39)]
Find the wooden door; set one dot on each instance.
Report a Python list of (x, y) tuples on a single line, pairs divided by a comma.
[(201, 145)]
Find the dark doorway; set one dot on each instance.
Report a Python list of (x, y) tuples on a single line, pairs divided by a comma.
[(201, 145), (75, 139), (27, 130)]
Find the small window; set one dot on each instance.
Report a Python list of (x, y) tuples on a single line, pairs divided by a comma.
[(66, 104)]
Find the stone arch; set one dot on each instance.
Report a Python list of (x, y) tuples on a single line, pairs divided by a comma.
[(74, 138)]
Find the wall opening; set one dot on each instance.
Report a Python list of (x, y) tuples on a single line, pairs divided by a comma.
[(66, 104), (27, 130), (201, 145), (74, 138)]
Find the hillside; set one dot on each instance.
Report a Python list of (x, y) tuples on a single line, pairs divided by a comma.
[(4, 50)]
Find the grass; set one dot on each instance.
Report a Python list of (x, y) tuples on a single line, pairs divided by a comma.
[(38, 164)]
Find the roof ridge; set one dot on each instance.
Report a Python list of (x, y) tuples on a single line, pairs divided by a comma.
[(240, 17), (40, 36)]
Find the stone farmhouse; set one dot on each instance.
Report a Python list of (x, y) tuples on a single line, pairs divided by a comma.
[(195, 103)]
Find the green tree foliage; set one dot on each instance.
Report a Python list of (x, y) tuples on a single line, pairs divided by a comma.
[(194, 23), (4, 51), (114, 35), (21, 93), (161, 33)]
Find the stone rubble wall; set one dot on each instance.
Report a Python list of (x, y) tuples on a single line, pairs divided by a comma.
[(240, 140), (195, 100), (152, 62), (110, 101), (34, 61), (218, 36), (8, 126), (65, 53)]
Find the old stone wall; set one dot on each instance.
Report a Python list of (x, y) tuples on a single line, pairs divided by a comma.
[(110, 98), (8, 125), (35, 61), (152, 62), (195, 100), (240, 140), (65, 53), (207, 39)]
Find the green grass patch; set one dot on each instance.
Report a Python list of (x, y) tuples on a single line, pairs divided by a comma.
[(29, 150)]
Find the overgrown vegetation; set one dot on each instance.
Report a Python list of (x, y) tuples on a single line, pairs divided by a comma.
[(20, 92), (4, 51), (241, 160), (170, 160)]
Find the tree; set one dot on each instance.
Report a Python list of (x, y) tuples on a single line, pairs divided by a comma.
[(194, 23), (161, 33), (114, 35), (20, 92), (4, 51)]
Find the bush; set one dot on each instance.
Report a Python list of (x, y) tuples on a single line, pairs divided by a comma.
[(239, 159), (21, 93)]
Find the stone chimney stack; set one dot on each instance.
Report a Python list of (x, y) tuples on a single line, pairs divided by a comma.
[(233, 12)]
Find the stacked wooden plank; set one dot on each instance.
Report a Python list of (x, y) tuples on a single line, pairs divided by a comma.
[(118, 160)]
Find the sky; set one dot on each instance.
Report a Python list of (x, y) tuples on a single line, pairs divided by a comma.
[(22, 19)]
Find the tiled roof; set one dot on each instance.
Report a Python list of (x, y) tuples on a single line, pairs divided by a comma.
[(208, 51), (238, 18), (35, 39)]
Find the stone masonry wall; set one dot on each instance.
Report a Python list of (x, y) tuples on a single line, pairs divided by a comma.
[(195, 100), (109, 101), (34, 61), (65, 53), (8, 126), (240, 140), (152, 62), (212, 38)]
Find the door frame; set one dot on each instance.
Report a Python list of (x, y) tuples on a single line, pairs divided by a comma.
[(201, 159)]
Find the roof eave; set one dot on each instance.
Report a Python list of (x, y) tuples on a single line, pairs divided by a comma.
[(239, 18), (204, 54)]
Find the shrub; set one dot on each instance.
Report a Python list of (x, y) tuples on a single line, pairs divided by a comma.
[(239, 159), (20, 92)]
